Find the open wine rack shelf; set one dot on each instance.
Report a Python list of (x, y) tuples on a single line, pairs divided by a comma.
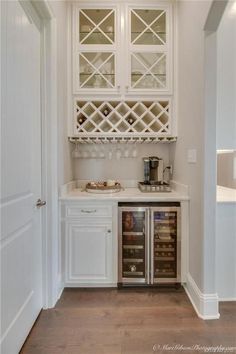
[(122, 121)]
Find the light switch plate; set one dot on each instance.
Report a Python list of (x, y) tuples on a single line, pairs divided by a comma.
[(234, 167), (192, 156)]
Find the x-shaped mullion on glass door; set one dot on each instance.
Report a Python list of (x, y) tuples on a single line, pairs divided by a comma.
[(97, 26), (148, 27), (148, 70), (96, 70)]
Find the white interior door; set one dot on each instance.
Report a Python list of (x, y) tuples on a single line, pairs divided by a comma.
[(21, 237)]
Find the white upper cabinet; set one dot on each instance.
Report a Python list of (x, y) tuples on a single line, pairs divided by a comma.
[(122, 49)]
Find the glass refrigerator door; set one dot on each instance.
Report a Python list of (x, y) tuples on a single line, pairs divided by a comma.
[(164, 245), (133, 245)]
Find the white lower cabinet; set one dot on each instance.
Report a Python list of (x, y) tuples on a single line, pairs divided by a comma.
[(90, 250)]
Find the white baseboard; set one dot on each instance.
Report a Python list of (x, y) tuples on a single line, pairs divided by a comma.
[(60, 286), (205, 305), (90, 285), (224, 299)]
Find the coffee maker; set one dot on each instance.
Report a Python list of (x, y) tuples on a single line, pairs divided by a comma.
[(154, 175), (153, 170)]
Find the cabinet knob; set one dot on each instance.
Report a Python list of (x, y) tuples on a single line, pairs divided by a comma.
[(108, 231)]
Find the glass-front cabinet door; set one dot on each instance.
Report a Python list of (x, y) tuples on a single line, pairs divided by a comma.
[(95, 30), (149, 49), (97, 70)]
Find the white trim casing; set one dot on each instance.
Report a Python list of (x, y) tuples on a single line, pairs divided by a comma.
[(51, 289), (205, 305), (50, 178)]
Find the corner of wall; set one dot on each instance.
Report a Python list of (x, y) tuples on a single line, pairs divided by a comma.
[(205, 305)]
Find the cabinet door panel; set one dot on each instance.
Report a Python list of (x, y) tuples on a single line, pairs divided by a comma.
[(149, 49), (97, 70), (148, 27), (89, 253), (96, 26), (95, 48), (148, 70)]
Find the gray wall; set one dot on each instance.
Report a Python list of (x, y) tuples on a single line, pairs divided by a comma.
[(190, 96), (64, 148), (226, 79), (226, 169), (225, 251)]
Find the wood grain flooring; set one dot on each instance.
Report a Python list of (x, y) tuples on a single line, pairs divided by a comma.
[(128, 321)]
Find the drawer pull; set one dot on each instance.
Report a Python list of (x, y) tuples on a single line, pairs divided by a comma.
[(88, 211), (109, 231)]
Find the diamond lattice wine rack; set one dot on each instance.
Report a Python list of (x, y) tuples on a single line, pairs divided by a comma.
[(122, 121)]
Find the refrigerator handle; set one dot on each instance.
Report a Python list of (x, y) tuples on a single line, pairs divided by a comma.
[(152, 248), (147, 245)]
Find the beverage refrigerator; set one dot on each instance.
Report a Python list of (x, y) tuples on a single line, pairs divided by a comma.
[(149, 243)]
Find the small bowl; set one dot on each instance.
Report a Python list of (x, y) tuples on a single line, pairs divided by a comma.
[(109, 29), (85, 28), (111, 183)]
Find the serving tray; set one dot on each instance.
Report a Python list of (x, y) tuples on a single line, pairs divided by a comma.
[(102, 188), (155, 187)]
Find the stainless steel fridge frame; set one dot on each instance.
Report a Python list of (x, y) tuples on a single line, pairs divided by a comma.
[(149, 246)]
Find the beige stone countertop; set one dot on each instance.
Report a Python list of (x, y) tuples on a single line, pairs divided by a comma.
[(127, 195), (226, 195)]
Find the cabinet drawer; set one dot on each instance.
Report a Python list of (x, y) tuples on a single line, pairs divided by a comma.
[(88, 210)]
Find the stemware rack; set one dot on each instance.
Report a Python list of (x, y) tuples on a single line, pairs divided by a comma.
[(122, 121), (124, 140)]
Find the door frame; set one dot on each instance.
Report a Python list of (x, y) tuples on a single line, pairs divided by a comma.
[(50, 227)]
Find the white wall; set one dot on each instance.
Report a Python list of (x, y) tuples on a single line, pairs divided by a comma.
[(190, 110), (226, 79), (64, 148), (122, 169), (225, 251), (226, 169)]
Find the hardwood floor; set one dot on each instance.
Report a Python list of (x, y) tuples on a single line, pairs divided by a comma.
[(140, 321)]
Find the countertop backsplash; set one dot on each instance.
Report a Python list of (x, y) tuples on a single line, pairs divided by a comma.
[(115, 165)]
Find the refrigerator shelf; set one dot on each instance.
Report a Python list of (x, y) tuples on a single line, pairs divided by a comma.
[(164, 222), (132, 247), (133, 273), (132, 260), (165, 241), (131, 233)]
